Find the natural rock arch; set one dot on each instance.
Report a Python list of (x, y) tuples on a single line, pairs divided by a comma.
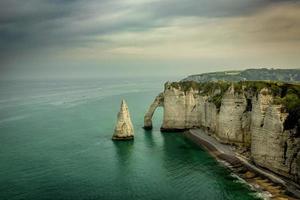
[(159, 101)]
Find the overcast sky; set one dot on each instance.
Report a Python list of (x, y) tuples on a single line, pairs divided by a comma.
[(103, 38)]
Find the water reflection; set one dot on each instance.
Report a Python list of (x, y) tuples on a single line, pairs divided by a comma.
[(124, 150), (149, 140)]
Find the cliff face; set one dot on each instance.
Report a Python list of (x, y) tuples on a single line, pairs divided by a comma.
[(180, 109), (272, 146), (243, 117), (233, 118)]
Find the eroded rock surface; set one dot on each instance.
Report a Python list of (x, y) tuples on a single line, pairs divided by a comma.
[(231, 116), (148, 116), (247, 118), (180, 109), (124, 128)]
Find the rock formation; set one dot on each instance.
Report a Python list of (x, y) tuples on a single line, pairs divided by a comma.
[(148, 117), (124, 128), (251, 115)]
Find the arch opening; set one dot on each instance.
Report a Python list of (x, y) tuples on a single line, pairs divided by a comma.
[(158, 102)]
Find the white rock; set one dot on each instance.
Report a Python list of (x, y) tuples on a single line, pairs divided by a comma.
[(148, 117), (124, 128)]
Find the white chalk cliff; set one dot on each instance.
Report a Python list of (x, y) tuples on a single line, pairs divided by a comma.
[(124, 128), (245, 118)]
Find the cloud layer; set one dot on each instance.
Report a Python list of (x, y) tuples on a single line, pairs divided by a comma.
[(164, 30)]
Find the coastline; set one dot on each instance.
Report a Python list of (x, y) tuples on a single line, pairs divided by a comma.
[(259, 179)]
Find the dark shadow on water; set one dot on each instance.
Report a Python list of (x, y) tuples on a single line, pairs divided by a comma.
[(184, 161), (178, 141), (178, 150)]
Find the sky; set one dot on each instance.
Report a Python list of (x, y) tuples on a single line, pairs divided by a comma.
[(124, 38)]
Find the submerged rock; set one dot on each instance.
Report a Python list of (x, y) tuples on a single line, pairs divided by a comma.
[(124, 128)]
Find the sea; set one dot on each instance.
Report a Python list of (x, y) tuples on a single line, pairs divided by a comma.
[(55, 144)]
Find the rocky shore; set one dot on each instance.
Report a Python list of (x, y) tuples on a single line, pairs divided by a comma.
[(261, 180)]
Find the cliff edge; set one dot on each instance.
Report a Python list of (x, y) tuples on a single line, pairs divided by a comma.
[(261, 117)]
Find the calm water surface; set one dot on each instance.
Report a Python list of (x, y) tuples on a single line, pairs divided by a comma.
[(55, 143)]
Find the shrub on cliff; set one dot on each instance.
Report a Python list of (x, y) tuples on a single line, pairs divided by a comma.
[(285, 94), (217, 100), (293, 120)]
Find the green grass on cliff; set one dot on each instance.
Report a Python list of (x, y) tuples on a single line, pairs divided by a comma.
[(215, 90), (285, 94), (204, 88)]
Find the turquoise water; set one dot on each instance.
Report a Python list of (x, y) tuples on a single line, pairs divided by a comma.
[(56, 144)]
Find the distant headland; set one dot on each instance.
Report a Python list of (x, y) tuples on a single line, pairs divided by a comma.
[(284, 75)]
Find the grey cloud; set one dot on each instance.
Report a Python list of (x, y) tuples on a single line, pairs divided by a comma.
[(204, 8), (34, 24), (209, 8)]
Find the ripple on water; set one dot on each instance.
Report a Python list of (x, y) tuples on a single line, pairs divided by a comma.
[(66, 152)]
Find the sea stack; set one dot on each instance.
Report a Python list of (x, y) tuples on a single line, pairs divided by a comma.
[(124, 128)]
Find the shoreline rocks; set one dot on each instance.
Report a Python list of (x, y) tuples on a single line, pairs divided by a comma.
[(260, 179)]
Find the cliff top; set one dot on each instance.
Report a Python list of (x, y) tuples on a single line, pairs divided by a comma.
[(285, 75), (285, 94)]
